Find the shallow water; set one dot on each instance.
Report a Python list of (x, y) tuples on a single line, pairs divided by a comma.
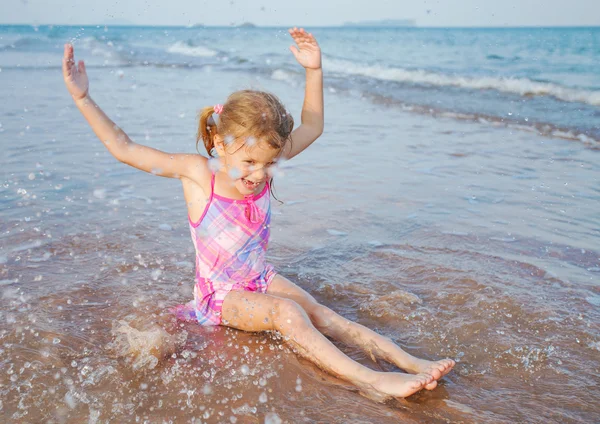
[(456, 239)]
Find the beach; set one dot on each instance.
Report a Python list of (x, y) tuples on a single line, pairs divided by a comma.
[(456, 231)]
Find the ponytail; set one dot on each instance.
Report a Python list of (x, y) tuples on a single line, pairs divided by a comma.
[(207, 129)]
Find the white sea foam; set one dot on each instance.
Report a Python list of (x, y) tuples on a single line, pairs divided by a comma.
[(185, 49), (521, 86), (281, 75), (538, 128)]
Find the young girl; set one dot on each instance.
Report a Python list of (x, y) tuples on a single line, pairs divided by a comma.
[(229, 212)]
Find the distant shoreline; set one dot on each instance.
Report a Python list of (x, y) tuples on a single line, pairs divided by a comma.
[(386, 23), (255, 26)]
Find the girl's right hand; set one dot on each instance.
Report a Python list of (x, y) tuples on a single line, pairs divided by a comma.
[(76, 78)]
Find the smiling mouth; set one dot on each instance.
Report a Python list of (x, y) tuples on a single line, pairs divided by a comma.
[(251, 185)]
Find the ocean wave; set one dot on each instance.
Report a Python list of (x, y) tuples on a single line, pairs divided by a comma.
[(23, 43), (188, 50), (540, 128), (520, 86)]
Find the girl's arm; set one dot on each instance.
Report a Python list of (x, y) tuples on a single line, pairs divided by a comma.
[(117, 142), (308, 54)]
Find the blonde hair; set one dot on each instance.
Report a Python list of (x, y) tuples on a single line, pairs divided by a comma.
[(247, 113)]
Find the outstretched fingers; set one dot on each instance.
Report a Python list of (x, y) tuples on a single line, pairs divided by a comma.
[(300, 36), (68, 60)]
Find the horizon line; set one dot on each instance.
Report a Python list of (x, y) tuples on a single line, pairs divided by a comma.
[(250, 25)]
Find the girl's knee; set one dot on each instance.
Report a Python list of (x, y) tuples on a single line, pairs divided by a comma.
[(287, 312), (320, 315)]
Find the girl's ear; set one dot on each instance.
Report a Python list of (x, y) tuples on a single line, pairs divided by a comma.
[(219, 145)]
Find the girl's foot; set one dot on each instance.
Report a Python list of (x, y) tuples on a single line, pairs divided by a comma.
[(392, 384), (437, 369)]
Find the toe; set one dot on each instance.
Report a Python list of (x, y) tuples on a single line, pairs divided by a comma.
[(431, 385), (449, 364), (426, 378), (435, 372)]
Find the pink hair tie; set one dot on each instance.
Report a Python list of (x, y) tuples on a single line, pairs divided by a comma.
[(218, 109)]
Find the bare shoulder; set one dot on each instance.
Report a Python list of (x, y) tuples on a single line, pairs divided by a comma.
[(198, 175), (200, 165)]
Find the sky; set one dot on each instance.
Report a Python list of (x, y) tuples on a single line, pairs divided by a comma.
[(302, 13)]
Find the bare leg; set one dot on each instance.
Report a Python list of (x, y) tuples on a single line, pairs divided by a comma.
[(262, 312), (351, 333)]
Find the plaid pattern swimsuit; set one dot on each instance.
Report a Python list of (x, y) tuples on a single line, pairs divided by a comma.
[(231, 239)]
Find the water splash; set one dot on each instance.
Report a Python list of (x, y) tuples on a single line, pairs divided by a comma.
[(144, 349)]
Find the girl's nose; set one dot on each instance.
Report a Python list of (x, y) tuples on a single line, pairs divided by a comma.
[(259, 174)]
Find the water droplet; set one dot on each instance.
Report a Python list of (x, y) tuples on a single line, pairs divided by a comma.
[(69, 400), (214, 165), (263, 398), (234, 173), (99, 193), (165, 227), (272, 418)]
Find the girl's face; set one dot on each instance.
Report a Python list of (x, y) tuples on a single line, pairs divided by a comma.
[(247, 162)]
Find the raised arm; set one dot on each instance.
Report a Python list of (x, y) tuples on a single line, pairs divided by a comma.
[(116, 140), (308, 54)]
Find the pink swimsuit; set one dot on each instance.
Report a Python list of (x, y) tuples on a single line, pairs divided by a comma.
[(231, 239)]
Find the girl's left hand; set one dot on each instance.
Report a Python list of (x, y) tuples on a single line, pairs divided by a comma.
[(308, 52)]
